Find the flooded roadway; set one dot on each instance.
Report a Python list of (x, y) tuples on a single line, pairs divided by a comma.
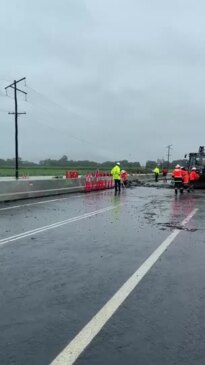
[(63, 258)]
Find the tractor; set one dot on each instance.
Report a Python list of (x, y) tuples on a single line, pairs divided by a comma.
[(197, 159)]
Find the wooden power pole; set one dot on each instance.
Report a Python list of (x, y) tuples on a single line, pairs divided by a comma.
[(16, 114)]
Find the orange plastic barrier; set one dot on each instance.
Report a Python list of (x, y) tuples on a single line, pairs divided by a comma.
[(98, 181), (72, 174)]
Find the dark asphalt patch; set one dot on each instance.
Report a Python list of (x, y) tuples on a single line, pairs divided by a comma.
[(177, 226)]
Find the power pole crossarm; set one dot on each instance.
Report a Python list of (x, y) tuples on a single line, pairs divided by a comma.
[(16, 114), (21, 91), (23, 78)]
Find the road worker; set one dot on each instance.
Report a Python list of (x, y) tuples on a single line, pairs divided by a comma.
[(194, 176), (116, 174), (177, 175), (186, 179), (124, 178), (164, 173), (156, 173)]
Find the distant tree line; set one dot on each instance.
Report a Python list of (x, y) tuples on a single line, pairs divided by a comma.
[(65, 162), (10, 162), (85, 164), (150, 165)]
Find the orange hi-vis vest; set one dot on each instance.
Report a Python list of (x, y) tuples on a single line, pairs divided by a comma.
[(186, 177), (177, 173), (124, 176), (194, 176)]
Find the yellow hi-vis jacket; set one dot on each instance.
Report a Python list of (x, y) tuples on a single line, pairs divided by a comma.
[(156, 170), (116, 173)]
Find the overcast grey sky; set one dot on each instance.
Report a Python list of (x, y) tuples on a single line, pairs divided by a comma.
[(106, 79)]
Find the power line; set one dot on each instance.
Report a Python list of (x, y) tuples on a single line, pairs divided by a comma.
[(66, 110), (16, 114)]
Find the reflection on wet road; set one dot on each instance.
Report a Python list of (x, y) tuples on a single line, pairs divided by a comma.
[(63, 259)]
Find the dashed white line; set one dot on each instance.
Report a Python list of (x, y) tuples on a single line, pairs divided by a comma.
[(41, 202), (74, 349), (55, 225)]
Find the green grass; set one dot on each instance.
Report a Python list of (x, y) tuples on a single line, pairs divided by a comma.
[(42, 171), (60, 171), (53, 171)]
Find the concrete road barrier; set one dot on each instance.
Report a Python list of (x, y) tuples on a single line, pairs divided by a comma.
[(24, 189), (32, 188), (146, 177)]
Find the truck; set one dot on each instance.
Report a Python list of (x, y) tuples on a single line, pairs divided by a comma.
[(197, 159)]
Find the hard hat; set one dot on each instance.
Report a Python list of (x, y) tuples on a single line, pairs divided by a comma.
[(123, 171), (177, 166), (193, 168), (118, 163)]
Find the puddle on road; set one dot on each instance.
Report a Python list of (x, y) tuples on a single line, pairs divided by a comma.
[(165, 211), (157, 211)]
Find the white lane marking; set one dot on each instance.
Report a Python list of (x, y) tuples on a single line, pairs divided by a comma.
[(71, 352), (41, 202), (55, 225)]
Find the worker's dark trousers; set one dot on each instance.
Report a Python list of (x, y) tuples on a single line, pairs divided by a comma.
[(178, 183), (156, 177), (117, 186)]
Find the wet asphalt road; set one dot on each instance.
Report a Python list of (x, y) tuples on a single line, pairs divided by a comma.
[(55, 279)]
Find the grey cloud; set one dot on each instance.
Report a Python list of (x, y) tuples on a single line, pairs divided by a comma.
[(107, 80)]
